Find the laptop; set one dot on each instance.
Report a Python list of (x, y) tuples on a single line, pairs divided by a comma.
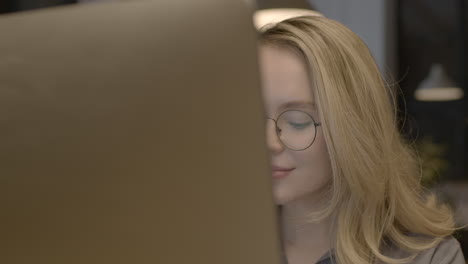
[(133, 132)]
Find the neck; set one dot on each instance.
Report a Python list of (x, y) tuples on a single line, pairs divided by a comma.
[(304, 241)]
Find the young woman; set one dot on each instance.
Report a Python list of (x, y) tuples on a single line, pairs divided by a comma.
[(348, 186)]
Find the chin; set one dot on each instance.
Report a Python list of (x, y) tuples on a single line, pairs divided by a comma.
[(283, 194), (282, 198)]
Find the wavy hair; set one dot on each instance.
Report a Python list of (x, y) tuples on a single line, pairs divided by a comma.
[(376, 196)]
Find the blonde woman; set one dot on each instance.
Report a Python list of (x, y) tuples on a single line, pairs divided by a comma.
[(347, 184)]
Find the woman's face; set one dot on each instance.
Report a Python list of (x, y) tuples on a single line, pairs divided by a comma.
[(286, 86)]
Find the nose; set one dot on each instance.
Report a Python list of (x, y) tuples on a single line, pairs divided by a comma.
[(273, 142)]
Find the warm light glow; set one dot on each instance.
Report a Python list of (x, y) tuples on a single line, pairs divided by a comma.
[(439, 94), (267, 16), (437, 86)]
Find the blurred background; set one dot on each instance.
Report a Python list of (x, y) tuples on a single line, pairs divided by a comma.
[(421, 47)]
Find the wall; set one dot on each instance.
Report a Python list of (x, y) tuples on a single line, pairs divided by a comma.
[(373, 20)]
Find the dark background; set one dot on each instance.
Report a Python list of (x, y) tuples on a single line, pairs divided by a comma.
[(433, 31)]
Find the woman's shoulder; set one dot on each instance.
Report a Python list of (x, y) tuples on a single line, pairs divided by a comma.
[(448, 251)]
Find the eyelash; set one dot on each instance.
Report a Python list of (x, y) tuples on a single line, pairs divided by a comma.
[(300, 125)]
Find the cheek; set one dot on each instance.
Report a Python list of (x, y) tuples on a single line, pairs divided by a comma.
[(315, 160)]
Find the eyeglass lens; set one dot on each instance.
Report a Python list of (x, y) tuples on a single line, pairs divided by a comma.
[(296, 129)]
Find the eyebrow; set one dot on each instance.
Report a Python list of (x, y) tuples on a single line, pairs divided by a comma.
[(297, 104)]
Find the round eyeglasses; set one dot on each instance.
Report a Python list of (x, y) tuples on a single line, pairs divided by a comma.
[(296, 129)]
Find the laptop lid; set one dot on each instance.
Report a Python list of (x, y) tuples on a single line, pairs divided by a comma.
[(133, 133)]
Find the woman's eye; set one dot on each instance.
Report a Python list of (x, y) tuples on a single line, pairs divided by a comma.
[(300, 125)]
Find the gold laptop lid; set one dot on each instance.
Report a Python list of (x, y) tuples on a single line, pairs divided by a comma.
[(133, 133)]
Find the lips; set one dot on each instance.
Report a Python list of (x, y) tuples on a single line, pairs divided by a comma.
[(280, 172)]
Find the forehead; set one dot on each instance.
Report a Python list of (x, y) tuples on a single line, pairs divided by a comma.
[(284, 76)]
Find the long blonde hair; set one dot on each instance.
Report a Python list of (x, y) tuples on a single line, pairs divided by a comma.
[(376, 196)]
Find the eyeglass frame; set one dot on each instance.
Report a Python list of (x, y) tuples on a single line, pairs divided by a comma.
[(278, 130)]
